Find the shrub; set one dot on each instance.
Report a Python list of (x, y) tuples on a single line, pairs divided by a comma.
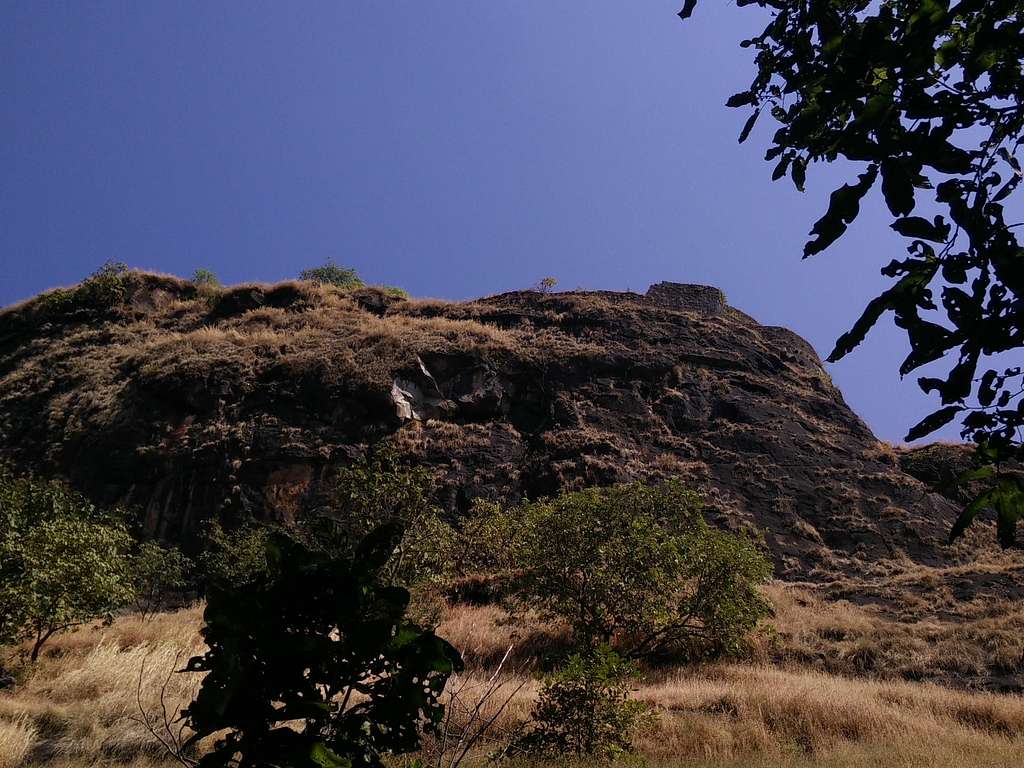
[(237, 557), (331, 274), (584, 709), (490, 540), (157, 573), (314, 664), (546, 284), (204, 278), (63, 563), (380, 489), (633, 564), (102, 289)]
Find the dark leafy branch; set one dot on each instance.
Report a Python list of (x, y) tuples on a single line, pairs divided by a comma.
[(926, 94)]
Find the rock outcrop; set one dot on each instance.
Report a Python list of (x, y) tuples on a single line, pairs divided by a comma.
[(190, 404)]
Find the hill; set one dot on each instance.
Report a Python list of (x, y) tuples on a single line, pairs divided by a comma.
[(192, 401)]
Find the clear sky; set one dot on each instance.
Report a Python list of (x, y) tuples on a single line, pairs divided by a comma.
[(456, 149)]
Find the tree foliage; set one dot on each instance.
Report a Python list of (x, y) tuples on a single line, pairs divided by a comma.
[(102, 289), (380, 489), (205, 278), (546, 284), (62, 561), (330, 273), (157, 573), (635, 564), (314, 663), (926, 96), (237, 556)]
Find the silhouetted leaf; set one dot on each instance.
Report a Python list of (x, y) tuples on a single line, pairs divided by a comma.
[(986, 390), (375, 550), (798, 173), (916, 226), (740, 99), (897, 187), (687, 10), (843, 207), (748, 126), (966, 517), (932, 422)]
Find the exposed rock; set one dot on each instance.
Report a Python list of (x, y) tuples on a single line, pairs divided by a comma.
[(189, 407), (703, 299)]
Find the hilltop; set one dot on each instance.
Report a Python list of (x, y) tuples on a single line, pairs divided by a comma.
[(195, 401)]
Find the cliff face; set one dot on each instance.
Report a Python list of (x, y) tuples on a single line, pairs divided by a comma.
[(191, 404)]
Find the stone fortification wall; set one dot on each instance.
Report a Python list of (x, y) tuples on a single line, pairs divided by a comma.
[(704, 299)]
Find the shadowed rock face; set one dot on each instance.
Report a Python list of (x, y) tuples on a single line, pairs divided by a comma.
[(246, 401)]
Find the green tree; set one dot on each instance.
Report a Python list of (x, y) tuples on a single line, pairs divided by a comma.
[(379, 489), (925, 95), (635, 564), (547, 284), (73, 571), (63, 562), (584, 709), (237, 556), (314, 664), (205, 278), (332, 274), (157, 572)]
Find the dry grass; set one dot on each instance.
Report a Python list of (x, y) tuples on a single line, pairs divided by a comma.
[(961, 625), (78, 707), (979, 647), (750, 715), (903, 622), (17, 736), (172, 339)]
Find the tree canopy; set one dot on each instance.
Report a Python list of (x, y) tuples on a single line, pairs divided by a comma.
[(633, 564), (925, 96), (63, 562)]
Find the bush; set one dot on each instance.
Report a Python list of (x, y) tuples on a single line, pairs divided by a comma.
[(63, 562), (204, 278), (584, 709), (379, 489), (157, 574), (546, 285), (314, 664), (236, 557), (102, 289), (633, 564), (331, 274)]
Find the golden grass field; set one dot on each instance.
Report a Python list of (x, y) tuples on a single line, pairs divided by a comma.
[(80, 706)]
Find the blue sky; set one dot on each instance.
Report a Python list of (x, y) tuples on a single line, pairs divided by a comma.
[(455, 149)]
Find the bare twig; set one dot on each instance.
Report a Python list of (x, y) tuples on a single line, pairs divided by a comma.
[(161, 727), (465, 724)]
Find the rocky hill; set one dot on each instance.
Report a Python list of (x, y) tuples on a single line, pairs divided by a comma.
[(191, 402)]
